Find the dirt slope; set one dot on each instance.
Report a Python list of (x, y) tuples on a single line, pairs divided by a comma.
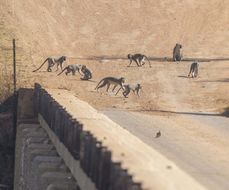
[(80, 29), (84, 27)]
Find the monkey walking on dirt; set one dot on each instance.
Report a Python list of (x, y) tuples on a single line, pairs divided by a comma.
[(58, 61), (138, 58), (130, 87), (72, 69)]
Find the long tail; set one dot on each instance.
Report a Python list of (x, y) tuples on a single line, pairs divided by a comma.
[(118, 91), (190, 71), (99, 84), (148, 61), (62, 71), (40, 66)]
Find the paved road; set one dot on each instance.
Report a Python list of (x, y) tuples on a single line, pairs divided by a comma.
[(197, 142)]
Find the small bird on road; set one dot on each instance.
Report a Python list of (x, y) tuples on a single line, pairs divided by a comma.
[(158, 134)]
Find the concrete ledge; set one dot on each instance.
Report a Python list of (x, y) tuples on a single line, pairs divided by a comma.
[(74, 165), (35, 157), (146, 165)]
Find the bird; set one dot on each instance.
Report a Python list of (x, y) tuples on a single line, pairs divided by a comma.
[(158, 134)]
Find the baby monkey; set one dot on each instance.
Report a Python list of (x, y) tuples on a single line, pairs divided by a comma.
[(87, 73), (129, 87), (73, 68)]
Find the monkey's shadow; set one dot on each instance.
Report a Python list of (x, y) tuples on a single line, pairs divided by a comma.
[(182, 76), (78, 79), (42, 72), (133, 66), (89, 80), (110, 94), (119, 97)]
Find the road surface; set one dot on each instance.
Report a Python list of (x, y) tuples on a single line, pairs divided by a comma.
[(197, 142)]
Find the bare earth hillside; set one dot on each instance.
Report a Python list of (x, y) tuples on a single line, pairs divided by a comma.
[(84, 27), (83, 30)]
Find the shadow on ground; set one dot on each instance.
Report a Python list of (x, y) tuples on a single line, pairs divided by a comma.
[(226, 113), (151, 58), (183, 76), (220, 80), (7, 144)]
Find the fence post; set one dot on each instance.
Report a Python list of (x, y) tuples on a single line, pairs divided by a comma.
[(15, 96), (14, 63), (15, 92)]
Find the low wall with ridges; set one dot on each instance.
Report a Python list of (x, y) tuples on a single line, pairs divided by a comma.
[(37, 163), (109, 155)]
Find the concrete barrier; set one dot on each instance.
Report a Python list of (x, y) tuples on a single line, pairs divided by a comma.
[(37, 164), (110, 156), (89, 161)]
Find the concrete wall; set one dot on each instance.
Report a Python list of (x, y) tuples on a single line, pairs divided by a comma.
[(37, 163), (99, 153), (118, 158)]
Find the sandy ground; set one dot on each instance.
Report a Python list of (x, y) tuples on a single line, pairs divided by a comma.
[(165, 86)]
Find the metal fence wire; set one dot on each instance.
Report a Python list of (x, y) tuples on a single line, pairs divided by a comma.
[(95, 159)]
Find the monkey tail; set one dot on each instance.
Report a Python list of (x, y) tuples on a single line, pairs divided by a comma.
[(62, 71), (190, 71), (118, 91), (148, 61), (99, 84), (41, 65)]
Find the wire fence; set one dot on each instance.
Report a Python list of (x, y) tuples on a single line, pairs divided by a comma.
[(6, 72), (8, 106)]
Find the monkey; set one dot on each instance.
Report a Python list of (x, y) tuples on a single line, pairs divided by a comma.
[(193, 69), (128, 87), (72, 68), (176, 52), (138, 58), (52, 61), (111, 80), (87, 73)]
